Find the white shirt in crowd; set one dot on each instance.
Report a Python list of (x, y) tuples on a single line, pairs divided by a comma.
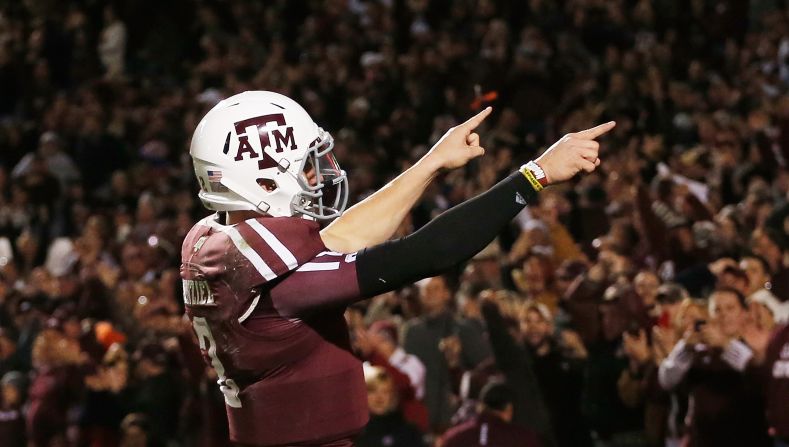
[(411, 366)]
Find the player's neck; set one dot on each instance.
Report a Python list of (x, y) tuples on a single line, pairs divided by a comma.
[(234, 217)]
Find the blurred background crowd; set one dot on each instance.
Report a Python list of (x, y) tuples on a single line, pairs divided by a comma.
[(641, 305)]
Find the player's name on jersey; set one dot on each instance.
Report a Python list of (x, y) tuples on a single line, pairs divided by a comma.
[(197, 293)]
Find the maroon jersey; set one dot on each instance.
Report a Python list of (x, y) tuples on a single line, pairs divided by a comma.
[(726, 405), (777, 361), (266, 301), (52, 393)]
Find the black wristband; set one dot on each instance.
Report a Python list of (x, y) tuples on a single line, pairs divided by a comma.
[(451, 238)]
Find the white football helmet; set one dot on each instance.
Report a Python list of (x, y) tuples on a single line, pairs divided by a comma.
[(261, 151)]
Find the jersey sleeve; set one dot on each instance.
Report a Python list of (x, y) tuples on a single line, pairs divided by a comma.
[(276, 246), (327, 281), (259, 250)]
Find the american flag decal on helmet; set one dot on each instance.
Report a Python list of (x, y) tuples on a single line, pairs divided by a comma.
[(215, 181)]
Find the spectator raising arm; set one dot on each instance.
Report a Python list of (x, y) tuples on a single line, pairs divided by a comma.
[(516, 364)]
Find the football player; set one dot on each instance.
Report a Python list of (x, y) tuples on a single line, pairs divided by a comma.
[(266, 288)]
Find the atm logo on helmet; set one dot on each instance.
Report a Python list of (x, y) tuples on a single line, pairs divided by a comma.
[(283, 138)]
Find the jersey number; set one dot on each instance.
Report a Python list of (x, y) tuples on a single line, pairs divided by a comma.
[(227, 386)]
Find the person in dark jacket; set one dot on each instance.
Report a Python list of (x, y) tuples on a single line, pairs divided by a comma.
[(559, 366), (105, 399), (157, 392), (610, 420), (429, 337), (516, 363), (387, 425)]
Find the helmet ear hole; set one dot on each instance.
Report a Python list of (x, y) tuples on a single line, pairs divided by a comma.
[(268, 184)]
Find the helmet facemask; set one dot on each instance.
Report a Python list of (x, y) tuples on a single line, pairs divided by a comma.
[(324, 184)]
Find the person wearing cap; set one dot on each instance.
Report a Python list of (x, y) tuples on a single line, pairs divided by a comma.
[(493, 425)]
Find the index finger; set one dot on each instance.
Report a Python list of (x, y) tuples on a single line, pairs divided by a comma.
[(596, 131), (477, 119)]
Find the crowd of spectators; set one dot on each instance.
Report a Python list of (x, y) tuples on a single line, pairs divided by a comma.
[(641, 305)]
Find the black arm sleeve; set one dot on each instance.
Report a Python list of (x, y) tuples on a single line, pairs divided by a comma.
[(451, 238)]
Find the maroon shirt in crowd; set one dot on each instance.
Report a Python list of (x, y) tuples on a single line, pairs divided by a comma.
[(489, 430), (52, 393), (267, 301), (726, 406), (777, 362)]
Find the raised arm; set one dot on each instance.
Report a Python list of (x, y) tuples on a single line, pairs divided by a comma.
[(464, 230), (451, 238), (388, 206), (506, 351)]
